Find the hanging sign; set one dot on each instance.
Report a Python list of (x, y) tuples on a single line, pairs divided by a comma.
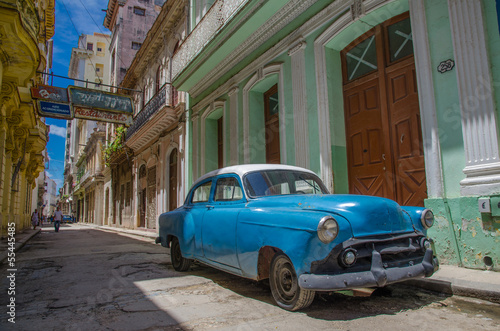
[(50, 93), (54, 109), (100, 100), (103, 116)]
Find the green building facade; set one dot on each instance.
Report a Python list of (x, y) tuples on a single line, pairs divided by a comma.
[(395, 98)]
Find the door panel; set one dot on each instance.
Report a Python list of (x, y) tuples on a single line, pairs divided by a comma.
[(219, 234), (365, 144), (404, 110)]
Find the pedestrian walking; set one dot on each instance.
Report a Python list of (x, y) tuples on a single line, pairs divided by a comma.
[(34, 219), (58, 216)]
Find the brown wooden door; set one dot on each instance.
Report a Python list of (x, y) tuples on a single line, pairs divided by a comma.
[(271, 117), (383, 133), (142, 217)]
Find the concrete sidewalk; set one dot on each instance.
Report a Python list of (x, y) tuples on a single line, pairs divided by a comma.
[(20, 241), (451, 280)]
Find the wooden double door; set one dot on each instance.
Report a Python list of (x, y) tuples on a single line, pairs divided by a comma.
[(383, 132)]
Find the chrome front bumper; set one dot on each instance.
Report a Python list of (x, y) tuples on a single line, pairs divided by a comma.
[(378, 276)]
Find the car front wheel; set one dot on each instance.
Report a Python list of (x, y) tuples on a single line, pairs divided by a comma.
[(285, 286), (178, 262)]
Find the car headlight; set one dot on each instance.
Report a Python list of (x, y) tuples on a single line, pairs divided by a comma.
[(427, 218), (327, 229)]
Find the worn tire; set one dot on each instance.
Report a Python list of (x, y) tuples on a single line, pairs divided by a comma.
[(178, 261), (285, 286)]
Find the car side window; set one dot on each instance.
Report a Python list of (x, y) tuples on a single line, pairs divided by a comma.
[(228, 189), (202, 193)]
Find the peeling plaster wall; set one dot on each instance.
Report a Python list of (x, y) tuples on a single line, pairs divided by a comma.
[(468, 236)]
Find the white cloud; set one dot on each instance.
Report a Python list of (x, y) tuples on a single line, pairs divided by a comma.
[(58, 131)]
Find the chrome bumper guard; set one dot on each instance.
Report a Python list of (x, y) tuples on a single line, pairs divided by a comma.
[(378, 276)]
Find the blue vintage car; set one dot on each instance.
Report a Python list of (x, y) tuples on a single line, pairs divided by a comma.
[(279, 222)]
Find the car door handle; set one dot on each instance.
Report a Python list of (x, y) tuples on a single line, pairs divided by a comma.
[(210, 207)]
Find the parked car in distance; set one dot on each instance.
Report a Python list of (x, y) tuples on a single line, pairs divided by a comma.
[(67, 219), (279, 222)]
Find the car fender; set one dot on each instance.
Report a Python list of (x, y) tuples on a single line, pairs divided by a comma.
[(294, 234), (181, 225)]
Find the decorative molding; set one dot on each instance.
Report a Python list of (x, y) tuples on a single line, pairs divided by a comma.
[(283, 17), (195, 143), (357, 9), (299, 95), (234, 125), (279, 48), (300, 45)]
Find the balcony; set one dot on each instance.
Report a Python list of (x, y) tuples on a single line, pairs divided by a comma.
[(165, 97), (217, 17)]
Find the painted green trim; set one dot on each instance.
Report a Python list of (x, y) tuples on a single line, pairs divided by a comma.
[(447, 100)]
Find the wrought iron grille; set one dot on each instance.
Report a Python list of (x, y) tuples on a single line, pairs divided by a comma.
[(163, 98)]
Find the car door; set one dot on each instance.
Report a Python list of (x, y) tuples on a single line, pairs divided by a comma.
[(220, 221), (197, 207)]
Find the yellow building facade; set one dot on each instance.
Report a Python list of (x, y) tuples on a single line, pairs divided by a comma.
[(26, 27)]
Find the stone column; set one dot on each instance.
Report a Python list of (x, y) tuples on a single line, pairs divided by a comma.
[(479, 123), (233, 126), (300, 120)]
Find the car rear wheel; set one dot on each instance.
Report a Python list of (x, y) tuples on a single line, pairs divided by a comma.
[(285, 286), (178, 262)]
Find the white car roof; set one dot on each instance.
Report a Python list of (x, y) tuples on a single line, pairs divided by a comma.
[(243, 169)]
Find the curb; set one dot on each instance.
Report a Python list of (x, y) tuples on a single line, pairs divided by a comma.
[(18, 244), (449, 288)]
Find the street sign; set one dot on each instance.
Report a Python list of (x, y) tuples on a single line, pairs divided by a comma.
[(101, 100), (50, 93), (54, 109), (104, 116)]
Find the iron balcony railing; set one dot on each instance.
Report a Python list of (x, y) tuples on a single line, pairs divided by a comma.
[(165, 97)]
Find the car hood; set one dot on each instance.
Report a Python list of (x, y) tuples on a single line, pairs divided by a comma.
[(367, 215)]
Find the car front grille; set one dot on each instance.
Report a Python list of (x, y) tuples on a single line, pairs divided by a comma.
[(396, 251)]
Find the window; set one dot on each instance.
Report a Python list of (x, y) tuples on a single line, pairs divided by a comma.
[(99, 69), (136, 46), (228, 189), (139, 11), (400, 40), (362, 59), (202, 192), (90, 46)]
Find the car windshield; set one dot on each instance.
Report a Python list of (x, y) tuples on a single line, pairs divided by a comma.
[(282, 182)]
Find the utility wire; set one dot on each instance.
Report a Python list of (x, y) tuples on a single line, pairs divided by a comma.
[(83, 46), (99, 27)]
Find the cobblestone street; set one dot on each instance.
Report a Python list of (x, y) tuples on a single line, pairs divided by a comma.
[(87, 279)]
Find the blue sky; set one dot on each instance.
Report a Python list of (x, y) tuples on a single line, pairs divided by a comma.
[(73, 18)]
